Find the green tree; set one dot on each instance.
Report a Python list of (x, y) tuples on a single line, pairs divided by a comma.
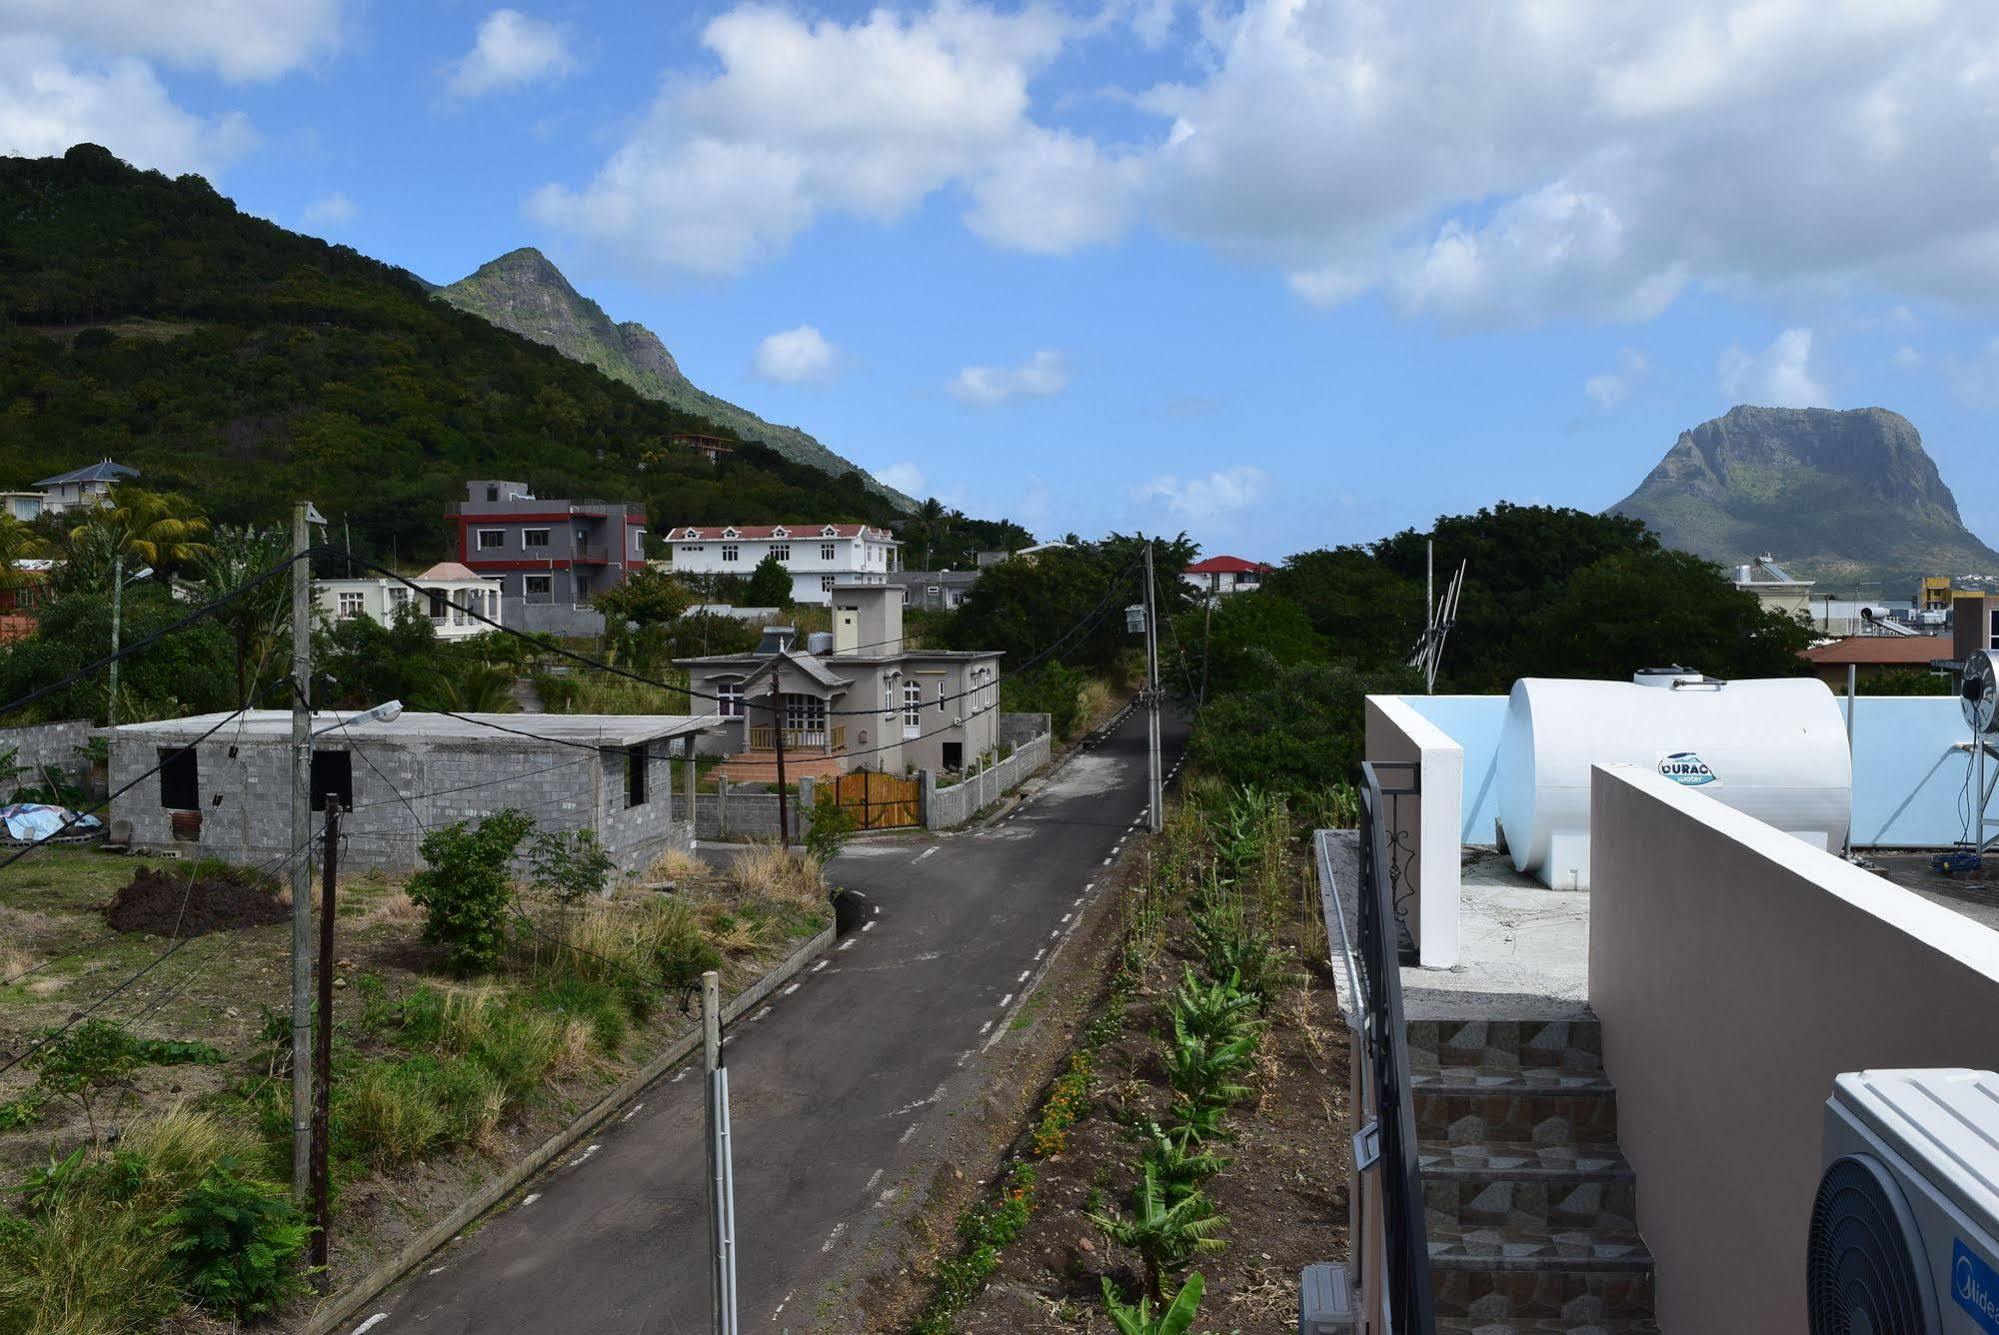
[(770, 584), (235, 555), (1300, 730), (1226, 642), (1073, 598), (160, 529), (188, 672), (647, 596), (1902, 681)]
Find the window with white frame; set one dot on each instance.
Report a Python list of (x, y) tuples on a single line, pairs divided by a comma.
[(729, 699), (912, 705), (693, 549), (351, 605), (829, 551), (491, 538), (730, 551), (826, 584), (781, 550), (940, 697), (534, 537)]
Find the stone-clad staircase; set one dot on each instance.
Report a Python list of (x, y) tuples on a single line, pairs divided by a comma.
[(1531, 1209)]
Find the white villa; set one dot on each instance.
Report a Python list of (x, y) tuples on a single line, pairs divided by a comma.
[(816, 554), (451, 593)]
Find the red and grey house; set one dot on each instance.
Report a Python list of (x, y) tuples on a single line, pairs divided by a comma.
[(550, 557), (1226, 574)]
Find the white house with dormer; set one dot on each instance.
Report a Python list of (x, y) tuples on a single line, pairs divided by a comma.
[(817, 555)]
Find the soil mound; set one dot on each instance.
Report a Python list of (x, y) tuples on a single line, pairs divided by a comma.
[(216, 900)]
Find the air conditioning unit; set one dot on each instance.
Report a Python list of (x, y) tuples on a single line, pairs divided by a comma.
[(1905, 1228)]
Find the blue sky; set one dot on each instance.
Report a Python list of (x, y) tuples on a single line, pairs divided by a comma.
[(1282, 273)]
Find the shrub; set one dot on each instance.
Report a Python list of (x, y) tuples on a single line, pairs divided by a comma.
[(982, 1229), (659, 941), (1165, 1236), (1173, 1319), (831, 827), (1067, 1103), (464, 889), (239, 1244), (570, 866)]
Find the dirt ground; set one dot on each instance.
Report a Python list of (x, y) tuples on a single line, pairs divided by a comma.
[(1284, 1193)]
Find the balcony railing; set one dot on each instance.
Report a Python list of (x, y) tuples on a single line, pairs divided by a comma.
[(763, 737), (594, 553)]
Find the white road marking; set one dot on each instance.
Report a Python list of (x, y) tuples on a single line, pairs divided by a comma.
[(868, 926), (1107, 862), (987, 1025), (633, 1113), (789, 990), (759, 1015), (871, 1181), (585, 1155), (820, 965), (1067, 916), (1078, 904), (834, 1236), (928, 851), (848, 944), (438, 1269), (886, 1197), (678, 1076), (1089, 886), (1052, 935), (1039, 953), (1005, 1000), (1023, 975), (371, 1322), (531, 1198), (910, 1131)]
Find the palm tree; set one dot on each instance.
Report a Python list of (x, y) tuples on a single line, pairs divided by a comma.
[(478, 688), (18, 543), (237, 555), (148, 528)]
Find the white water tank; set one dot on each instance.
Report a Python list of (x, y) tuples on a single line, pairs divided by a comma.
[(1774, 749)]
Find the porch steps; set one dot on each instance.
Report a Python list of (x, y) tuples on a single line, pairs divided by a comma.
[(1530, 1208), (761, 767)]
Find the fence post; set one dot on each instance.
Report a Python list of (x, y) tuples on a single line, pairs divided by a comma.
[(807, 792), (721, 806), (926, 798)]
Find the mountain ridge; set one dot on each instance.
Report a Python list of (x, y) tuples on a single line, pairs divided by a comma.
[(524, 292), (1835, 494)]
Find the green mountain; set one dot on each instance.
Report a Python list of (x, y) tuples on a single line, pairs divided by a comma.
[(148, 320), (523, 292), (1840, 497)]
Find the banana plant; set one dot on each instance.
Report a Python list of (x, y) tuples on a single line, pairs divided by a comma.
[(1198, 1123), (1220, 1009), (1165, 1236), (1203, 1070), (1173, 1319), (1177, 1159)]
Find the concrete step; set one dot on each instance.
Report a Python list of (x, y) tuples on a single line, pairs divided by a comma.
[(1465, 1105), (1566, 1045), (1614, 1325), (1533, 1208), (1525, 1297)]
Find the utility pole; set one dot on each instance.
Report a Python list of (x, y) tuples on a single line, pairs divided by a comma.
[(1429, 614), (301, 843), (721, 1165), (322, 1058), (777, 731), (1152, 697), (117, 620)]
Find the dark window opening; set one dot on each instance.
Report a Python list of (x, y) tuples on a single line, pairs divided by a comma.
[(180, 779), (332, 775), (492, 493), (635, 776), (954, 755)]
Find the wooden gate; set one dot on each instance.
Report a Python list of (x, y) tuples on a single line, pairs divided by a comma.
[(879, 801)]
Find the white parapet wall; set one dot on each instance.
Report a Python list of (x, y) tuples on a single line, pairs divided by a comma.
[(1736, 971), (1423, 831)]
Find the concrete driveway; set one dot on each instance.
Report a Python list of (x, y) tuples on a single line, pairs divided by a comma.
[(843, 1090)]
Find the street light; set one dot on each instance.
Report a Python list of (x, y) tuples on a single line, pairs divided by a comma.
[(386, 712), (118, 583)]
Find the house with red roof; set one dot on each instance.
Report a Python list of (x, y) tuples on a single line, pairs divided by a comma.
[(1226, 574)]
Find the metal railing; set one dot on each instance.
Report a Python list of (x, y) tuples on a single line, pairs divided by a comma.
[(1387, 1237), (763, 737)]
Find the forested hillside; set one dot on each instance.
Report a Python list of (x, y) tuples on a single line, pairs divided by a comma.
[(146, 319)]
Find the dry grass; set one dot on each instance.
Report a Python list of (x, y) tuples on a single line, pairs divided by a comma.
[(1094, 702), (767, 871), (676, 865), (16, 960), (652, 938), (394, 907), (735, 936)]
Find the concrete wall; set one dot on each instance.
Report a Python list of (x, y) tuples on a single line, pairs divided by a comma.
[(946, 807), (401, 789), (558, 618), (735, 814), (1015, 729), (1907, 779), (53, 745), (1423, 831), (1736, 972)]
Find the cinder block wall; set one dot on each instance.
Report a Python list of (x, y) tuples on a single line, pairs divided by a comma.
[(946, 807), (51, 744)]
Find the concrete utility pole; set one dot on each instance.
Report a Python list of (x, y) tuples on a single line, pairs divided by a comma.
[(721, 1164), (322, 1060), (777, 731), (1153, 797), (117, 617), (301, 842)]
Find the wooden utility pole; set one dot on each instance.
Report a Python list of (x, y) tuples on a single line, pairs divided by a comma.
[(301, 851), (777, 731), (322, 1058)]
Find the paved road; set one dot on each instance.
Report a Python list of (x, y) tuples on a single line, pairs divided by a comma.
[(838, 1089)]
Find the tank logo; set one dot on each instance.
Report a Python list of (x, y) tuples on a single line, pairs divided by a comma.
[(1687, 768), (1975, 1286)]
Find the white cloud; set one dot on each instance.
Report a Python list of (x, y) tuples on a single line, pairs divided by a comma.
[(1610, 387), (1778, 377), (1041, 375), (242, 40), (1905, 358), (905, 477), (511, 49), (330, 210), (1205, 499), (50, 101), (795, 356), (807, 117)]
